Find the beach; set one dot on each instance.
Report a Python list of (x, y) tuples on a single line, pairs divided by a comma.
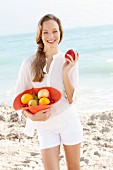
[(20, 152)]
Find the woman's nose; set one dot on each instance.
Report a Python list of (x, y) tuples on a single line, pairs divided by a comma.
[(50, 34)]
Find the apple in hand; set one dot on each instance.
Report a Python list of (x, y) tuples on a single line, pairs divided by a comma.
[(33, 103), (43, 93), (72, 53)]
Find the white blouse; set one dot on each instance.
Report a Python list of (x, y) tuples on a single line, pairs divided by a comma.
[(51, 79)]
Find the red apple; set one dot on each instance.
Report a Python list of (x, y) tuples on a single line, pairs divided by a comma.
[(52, 101), (72, 53)]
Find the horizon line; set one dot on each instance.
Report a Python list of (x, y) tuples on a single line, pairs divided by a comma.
[(84, 26)]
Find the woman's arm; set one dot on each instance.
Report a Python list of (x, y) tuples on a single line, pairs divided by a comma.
[(24, 78), (71, 78), (42, 115), (69, 88), (24, 83)]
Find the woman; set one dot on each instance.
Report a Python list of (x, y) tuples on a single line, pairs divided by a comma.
[(60, 124)]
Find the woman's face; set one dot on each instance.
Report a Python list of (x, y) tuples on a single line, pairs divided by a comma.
[(50, 34)]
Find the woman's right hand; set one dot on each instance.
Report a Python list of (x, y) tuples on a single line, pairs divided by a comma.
[(42, 115)]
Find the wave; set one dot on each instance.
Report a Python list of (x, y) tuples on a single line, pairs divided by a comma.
[(96, 68), (110, 60)]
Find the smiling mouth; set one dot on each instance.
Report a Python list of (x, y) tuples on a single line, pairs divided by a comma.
[(51, 41)]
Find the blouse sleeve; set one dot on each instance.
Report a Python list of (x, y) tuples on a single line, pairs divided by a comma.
[(24, 78), (23, 81), (75, 80), (74, 76)]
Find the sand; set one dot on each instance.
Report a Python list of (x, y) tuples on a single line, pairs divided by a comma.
[(19, 152)]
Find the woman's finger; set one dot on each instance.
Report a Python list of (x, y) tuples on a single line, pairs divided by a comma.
[(44, 111), (71, 58), (46, 114)]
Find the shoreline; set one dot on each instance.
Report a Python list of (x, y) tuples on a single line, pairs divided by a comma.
[(17, 151)]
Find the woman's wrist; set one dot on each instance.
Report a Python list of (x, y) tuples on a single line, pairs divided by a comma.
[(65, 72), (26, 113)]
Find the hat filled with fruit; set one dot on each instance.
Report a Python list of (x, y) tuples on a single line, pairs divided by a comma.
[(37, 99)]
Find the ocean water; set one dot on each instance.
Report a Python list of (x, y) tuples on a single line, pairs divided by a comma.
[(95, 47)]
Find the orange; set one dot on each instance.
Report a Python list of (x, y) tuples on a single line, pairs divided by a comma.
[(26, 98), (44, 101)]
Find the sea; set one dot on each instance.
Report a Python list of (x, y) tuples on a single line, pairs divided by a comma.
[(95, 47)]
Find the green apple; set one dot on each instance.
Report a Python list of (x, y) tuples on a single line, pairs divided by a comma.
[(33, 103), (35, 97)]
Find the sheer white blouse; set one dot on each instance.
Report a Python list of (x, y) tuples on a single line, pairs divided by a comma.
[(52, 79)]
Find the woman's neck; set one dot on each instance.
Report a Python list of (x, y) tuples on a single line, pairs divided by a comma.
[(50, 52)]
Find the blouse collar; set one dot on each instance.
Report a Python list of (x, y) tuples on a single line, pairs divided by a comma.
[(55, 56)]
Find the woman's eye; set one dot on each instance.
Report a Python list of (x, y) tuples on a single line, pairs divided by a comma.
[(55, 31), (45, 33)]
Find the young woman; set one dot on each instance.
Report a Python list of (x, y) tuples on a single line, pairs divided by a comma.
[(60, 124)]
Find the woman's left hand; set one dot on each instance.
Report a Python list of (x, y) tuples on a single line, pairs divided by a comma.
[(70, 62)]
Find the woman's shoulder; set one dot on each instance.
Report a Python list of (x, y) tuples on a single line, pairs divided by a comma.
[(28, 60), (59, 55)]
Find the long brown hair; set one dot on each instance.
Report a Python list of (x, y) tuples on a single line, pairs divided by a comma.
[(39, 60)]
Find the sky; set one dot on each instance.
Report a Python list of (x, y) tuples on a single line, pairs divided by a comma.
[(22, 16)]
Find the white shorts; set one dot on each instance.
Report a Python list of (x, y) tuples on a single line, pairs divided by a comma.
[(70, 133)]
